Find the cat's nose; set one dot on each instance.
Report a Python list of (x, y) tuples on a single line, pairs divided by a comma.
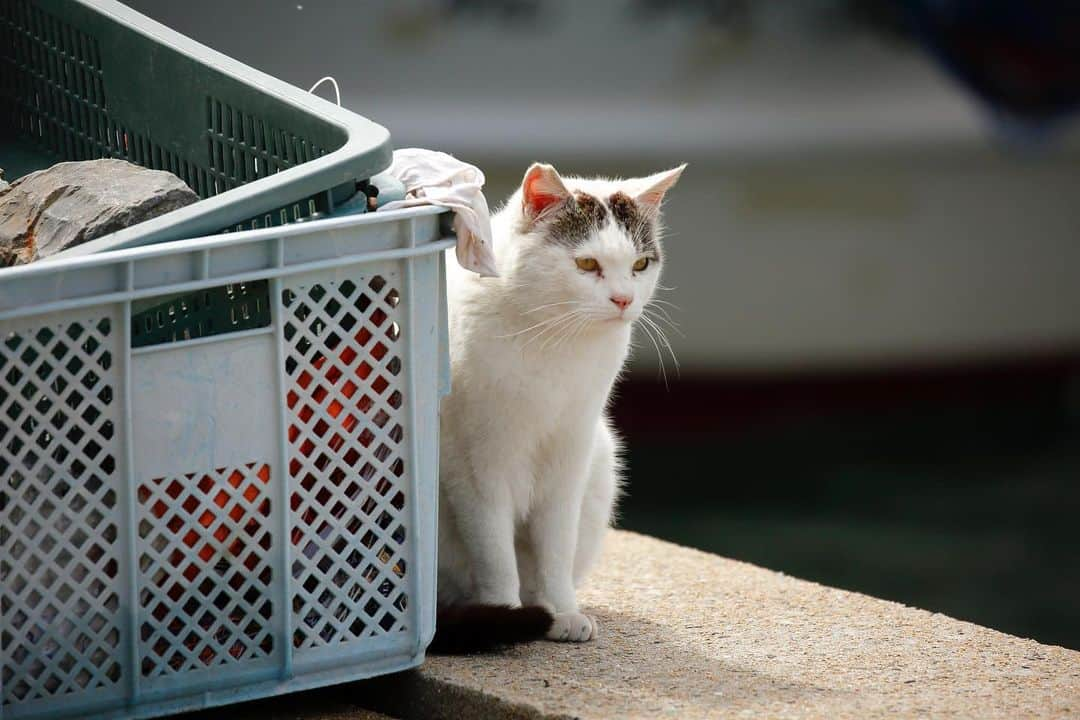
[(622, 301)]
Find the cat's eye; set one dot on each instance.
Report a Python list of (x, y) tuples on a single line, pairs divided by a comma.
[(588, 264), (641, 264)]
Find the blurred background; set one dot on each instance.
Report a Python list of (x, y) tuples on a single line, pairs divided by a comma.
[(875, 254)]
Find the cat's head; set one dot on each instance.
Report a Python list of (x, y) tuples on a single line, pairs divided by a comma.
[(588, 246)]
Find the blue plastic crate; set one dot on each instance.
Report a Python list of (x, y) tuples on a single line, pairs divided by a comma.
[(218, 466)]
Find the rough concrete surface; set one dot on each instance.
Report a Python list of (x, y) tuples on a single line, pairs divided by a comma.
[(330, 703), (685, 634)]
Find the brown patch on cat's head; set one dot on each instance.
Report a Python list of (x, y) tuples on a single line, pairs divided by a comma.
[(636, 221), (580, 217)]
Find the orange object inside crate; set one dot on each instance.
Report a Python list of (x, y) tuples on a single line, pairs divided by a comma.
[(335, 408), (346, 408), (196, 510), (337, 381), (206, 518)]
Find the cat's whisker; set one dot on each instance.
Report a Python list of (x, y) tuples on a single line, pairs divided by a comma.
[(585, 322), (554, 339), (659, 355), (663, 337), (657, 311), (548, 305), (557, 338), (546, 321), (547, 329), (667, 343), (674, 326), (562, 320), (660, 301), (543, 332), (662, 319)]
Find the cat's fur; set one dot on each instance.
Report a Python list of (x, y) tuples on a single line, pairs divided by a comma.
[(530, 469)]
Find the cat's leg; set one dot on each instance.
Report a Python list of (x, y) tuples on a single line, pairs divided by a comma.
[(602, 490), (482, 475), (485, 523), (551, 535), (526, 563), (455, 571)]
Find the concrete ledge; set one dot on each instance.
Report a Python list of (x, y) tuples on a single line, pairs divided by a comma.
[(689, 635), (686, 634)]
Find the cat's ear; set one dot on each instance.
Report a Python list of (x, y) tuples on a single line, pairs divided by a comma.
[(542, 188), (653, 188)]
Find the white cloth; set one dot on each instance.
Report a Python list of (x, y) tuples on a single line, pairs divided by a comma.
[(435, 178)]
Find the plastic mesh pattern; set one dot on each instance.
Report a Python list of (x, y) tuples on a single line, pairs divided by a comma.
[(346, 460), (57, 96), (58, 511), (212, 311), (204, 575), (56, 90), (243, 147), (54, 95)]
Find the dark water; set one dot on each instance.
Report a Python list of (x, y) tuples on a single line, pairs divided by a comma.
[(970, 513)]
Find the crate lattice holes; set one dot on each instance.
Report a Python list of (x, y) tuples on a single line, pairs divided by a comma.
[(204, 538), (212, 572), (58, 554), (213, 311), (204, 571), (341, 359)]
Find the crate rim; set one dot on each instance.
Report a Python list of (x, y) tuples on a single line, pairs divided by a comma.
[(62, 262), (127, 260)]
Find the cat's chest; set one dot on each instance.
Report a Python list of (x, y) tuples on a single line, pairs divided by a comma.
[(535, 389), (559, 389)]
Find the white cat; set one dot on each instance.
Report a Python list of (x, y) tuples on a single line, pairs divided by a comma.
[(530, 469)]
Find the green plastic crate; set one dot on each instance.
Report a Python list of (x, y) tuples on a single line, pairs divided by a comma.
[(84, 79)]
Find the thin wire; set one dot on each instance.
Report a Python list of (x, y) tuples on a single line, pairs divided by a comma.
[(337, 91)]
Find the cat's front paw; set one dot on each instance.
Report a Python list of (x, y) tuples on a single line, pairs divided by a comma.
[(572, 627)]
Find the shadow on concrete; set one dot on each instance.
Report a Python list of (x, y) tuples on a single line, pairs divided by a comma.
[(635, 668)]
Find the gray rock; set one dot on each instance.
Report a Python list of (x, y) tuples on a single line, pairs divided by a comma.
[(70, 203)]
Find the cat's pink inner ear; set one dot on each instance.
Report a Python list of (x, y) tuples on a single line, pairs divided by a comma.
[(656, 186), (542, 188)]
